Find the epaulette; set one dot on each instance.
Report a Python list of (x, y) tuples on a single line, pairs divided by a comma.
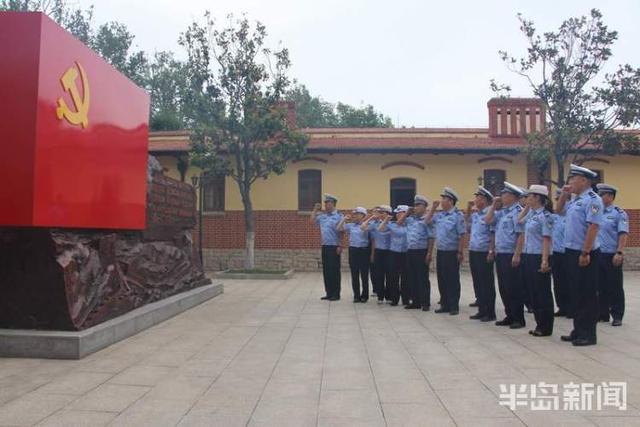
[(619, 209), (592, 194), (518, 207)]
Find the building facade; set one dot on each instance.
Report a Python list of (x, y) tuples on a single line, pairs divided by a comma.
[(368, 167)]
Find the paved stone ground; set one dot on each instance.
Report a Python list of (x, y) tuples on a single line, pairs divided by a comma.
[(272, 353)]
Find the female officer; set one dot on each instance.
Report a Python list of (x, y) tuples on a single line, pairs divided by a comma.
[(358, 253), (538, 228), (398, 252)]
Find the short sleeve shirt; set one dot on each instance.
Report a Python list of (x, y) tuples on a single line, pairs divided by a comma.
[(328, 223), (449, 228)]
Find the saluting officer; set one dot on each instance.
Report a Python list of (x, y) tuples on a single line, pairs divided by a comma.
[(509, 240), (613, 235), (419, 241), (481, 255), (398, 247), (538, 229), (381, 241), (561, 289), (331, 249), (582, 251), (449, 229), (358, 252)]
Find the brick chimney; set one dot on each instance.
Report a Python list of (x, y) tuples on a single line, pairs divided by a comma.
[(512, 117), (290, 107)]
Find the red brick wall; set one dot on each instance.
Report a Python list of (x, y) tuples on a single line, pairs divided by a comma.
[(290, 230), (171, 206)]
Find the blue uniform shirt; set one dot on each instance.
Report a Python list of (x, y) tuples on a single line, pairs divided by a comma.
[(381, 239), (328, 232), (557, 237), (358, 238), (449, 226), (507, 228), (614, 222), (538, 225), (585, 209), (480, 232), (398, 237), (418, 233)]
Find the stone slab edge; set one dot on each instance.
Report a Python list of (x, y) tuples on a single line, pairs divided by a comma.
[(226, 274), (78, 344)]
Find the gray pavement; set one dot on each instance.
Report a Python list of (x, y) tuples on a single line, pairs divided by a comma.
[(271, 353)]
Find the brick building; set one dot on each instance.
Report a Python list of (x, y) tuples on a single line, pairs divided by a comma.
[(367, 167)]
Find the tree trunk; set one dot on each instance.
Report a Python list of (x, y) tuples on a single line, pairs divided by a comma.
[(250, 239), (560, 169)]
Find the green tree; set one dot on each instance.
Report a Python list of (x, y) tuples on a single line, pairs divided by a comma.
[(586, 111), (167, 86), (242, 130), (314, 112)]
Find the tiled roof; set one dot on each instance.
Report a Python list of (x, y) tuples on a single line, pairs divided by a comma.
[(169, 142)]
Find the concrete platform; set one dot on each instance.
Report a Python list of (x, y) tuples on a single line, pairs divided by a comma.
[(228, 274), (78, 344)]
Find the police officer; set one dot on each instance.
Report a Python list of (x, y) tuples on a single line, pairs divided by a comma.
[(398, 247), (538, 228), (331, 249), (481, 255), (358, 253), (613, 235), (419, 239), (582, 252), (561, 289), (381, 242), (449, 230), (509, 240)]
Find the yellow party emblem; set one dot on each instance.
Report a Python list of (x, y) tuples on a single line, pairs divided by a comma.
[(79, 116)]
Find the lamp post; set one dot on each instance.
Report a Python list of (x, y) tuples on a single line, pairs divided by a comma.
[(198, 184)]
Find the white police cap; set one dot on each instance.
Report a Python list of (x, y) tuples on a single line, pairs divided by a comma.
[(513, 189), (401, 208), (606, 188), (483, 192), (450, 193), (538, 189), (386, 208), (582, 171), (418, 199), (330, 198), (360, 210)]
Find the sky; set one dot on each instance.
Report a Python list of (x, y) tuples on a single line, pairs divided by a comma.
[(423, 63)]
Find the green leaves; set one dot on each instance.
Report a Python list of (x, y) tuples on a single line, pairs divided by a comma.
[(585, 110)]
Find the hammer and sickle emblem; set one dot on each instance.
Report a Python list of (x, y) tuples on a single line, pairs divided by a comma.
[(68, 81)]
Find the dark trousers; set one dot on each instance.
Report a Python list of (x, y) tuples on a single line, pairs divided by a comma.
[(418, 277), (540, 284), (584, 294), (359, 265), (483, 282), (511, 288), (381, 273), (561, 289), (610, 290), (397, 277), (448, 272), (331, 271)]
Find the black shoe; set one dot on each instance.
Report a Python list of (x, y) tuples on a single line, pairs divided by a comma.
[(412, 307), (488, 318), (581, 342), (441, 310), (334, 298), (476, 316), (326, 297), (355, 300), (474, 304), (567, 338), (503, 322), (393, 303), (426, 308), (537, 333), (616, 322), (559, 313), (516, 325), (364, 300), (454, 312)]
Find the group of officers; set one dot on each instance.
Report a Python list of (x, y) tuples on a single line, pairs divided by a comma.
[(579, 242)]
